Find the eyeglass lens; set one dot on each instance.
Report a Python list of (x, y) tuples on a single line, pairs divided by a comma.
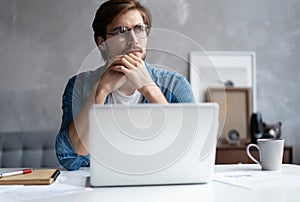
[(140, 31)]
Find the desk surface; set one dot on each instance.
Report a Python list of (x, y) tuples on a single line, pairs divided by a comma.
[(214, 191)]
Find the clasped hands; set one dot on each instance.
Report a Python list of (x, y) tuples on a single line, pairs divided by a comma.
[(123, 69)]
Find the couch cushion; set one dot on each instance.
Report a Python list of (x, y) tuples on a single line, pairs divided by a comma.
[(28, 149)]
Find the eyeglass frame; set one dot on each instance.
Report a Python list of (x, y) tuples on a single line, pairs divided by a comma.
[(127, 31)]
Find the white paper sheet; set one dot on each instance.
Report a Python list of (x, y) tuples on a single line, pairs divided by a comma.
[(257, 179), (6, 188), (24, 193)]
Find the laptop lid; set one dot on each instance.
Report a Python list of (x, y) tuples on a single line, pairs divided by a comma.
[(152, 144)]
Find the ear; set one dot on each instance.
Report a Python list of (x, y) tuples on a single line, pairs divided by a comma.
[(100, 43)]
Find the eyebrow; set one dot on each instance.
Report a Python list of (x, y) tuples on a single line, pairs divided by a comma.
[(118, 27)]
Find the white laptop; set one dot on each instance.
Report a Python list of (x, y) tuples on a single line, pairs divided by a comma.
[(152, 144)]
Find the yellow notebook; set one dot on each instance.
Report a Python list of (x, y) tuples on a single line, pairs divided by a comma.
[(36, 177)]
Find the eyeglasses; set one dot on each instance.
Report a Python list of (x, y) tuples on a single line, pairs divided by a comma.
[(121, 33)]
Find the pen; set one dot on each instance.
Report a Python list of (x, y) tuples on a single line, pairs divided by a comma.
[(19, 172)]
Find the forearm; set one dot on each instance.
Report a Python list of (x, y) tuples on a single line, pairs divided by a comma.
[(153, 94), (79, 128), (100, 96)]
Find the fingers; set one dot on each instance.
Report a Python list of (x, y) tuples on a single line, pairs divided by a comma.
[(132, 63), (112, 63), (136, 61), (120, 68), (129, 61), (112, 70), (134, 57)]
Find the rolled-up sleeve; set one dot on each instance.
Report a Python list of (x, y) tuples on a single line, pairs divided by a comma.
[(183, 90), (173, 85), (65, 152)]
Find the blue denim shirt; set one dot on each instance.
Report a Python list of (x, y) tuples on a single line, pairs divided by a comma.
[(174, 86)]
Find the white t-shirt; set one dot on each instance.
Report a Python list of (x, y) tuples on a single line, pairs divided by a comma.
[(117, 97)]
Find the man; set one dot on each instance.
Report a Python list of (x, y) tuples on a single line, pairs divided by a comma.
[(121, 29)]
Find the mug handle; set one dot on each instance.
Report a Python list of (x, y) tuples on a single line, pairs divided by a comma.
[(250, 155)]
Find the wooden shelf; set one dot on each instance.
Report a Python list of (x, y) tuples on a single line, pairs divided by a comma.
[(228, 154)]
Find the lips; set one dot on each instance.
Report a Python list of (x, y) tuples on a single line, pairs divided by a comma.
[(134, 49), (136, 52)]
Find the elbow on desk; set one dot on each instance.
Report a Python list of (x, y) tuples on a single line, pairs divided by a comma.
[(66, 154), (73, 163)]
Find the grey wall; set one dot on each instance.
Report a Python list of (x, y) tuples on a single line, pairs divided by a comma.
[(43, 43)]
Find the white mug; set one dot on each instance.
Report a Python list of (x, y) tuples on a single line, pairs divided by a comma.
[(270, 153)]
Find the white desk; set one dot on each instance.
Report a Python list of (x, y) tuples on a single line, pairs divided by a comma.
[(214, 191)]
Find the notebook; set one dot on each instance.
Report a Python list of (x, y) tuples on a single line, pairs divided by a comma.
[(36, 177), (152, 144)]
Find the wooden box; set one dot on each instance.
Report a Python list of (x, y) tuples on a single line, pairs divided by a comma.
[(235, 113)]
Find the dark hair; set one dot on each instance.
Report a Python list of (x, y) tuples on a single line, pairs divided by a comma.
[(111, 9)]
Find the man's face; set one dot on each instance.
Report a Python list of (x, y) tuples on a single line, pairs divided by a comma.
[(133, 43)]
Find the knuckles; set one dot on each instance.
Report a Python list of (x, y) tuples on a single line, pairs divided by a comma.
[(122, 60)]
